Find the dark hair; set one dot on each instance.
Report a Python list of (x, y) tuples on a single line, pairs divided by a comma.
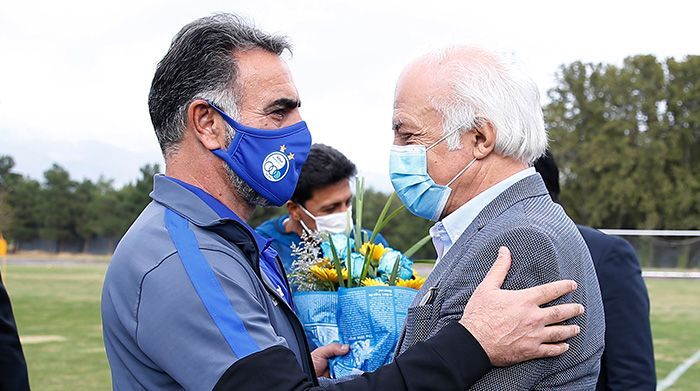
[(200, 64), (324, 166), (549, 171)]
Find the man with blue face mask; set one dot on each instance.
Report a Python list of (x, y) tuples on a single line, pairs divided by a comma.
[(195, 299), (322, 201), (467, 126)]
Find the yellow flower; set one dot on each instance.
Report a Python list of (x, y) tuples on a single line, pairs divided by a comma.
[(415, 283), (377, 250), (372, 282), (325, 262), (325, 274)]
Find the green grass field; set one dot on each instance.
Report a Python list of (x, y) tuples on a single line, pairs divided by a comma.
[(63, 302)]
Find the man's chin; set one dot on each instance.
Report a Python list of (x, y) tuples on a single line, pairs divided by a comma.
[(243, 190)]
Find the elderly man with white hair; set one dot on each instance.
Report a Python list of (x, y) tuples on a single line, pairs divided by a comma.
[(467, 126)]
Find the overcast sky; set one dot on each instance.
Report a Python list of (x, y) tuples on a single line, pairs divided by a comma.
[(74, 75)]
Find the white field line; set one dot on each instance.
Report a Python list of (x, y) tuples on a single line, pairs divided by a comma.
[(34, 339), (678, 372), (669, 274), (650, 232)]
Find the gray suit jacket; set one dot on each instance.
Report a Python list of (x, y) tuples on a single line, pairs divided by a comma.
[(546, 246)]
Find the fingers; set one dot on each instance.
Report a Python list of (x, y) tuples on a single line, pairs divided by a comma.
[(543, 294), (552, 334), (494, 279), (562, 312), (331, 350), (551, 350)]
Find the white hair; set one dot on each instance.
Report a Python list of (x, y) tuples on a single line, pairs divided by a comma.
[(492, 88)]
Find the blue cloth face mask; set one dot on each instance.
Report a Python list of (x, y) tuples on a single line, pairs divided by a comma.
[(408, 169), (269, 160)]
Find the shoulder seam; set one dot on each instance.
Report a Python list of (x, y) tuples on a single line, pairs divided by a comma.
[(138, 302)]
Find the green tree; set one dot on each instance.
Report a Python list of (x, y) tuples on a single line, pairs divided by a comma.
[(86, 195), (19, 197), (626, 159), (133, 198), (58, 206), (6, 165)]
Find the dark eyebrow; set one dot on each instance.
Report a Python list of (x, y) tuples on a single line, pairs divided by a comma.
[(283, 103)]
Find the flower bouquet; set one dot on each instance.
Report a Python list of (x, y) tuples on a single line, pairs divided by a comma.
[(352, 290)]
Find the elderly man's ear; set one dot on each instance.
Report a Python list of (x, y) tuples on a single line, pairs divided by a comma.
[(484, 140), (208, 126)]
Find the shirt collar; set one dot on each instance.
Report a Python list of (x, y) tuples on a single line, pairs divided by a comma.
[(457, 222)]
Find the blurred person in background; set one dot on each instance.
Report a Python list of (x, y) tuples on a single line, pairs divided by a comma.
[(322, 201)]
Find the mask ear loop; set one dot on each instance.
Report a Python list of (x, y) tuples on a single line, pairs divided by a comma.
[(461, 172), (454, 179), (303, 225), (307, 212), (441, 139)]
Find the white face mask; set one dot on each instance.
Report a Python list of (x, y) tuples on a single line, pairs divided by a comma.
[(336, 223)]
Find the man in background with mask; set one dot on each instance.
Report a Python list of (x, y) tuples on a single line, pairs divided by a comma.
[(467, 124), (195, 299), (322, 201)]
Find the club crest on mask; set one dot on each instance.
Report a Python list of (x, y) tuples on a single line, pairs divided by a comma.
[(276, 165)]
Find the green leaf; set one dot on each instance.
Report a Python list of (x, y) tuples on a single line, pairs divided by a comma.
[(359, 205), (348, 263), (386, 221), (417, 246), (365, 266), (395, 270), (336, 261), (378, 226)]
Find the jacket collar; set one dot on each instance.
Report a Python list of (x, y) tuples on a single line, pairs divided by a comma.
[(188, 205), (528, 187)]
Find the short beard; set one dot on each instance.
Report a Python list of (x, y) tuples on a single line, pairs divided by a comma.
[(239, 186), (243, 189)]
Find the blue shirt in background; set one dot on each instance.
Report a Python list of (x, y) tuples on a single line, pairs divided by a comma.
[(282, 241)]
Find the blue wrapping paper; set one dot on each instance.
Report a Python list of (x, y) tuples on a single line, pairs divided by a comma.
[(369, 319)]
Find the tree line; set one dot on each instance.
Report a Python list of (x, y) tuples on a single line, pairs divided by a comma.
[(61, 209), (627, 141), (626, 138)]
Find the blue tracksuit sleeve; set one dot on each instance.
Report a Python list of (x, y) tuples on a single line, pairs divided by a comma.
[(178, 333)]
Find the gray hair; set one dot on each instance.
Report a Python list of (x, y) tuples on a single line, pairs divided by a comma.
[(493, 88), (200, 65)]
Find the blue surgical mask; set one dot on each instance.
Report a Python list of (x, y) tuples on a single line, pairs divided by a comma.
[(269, 160), (408, 169)]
